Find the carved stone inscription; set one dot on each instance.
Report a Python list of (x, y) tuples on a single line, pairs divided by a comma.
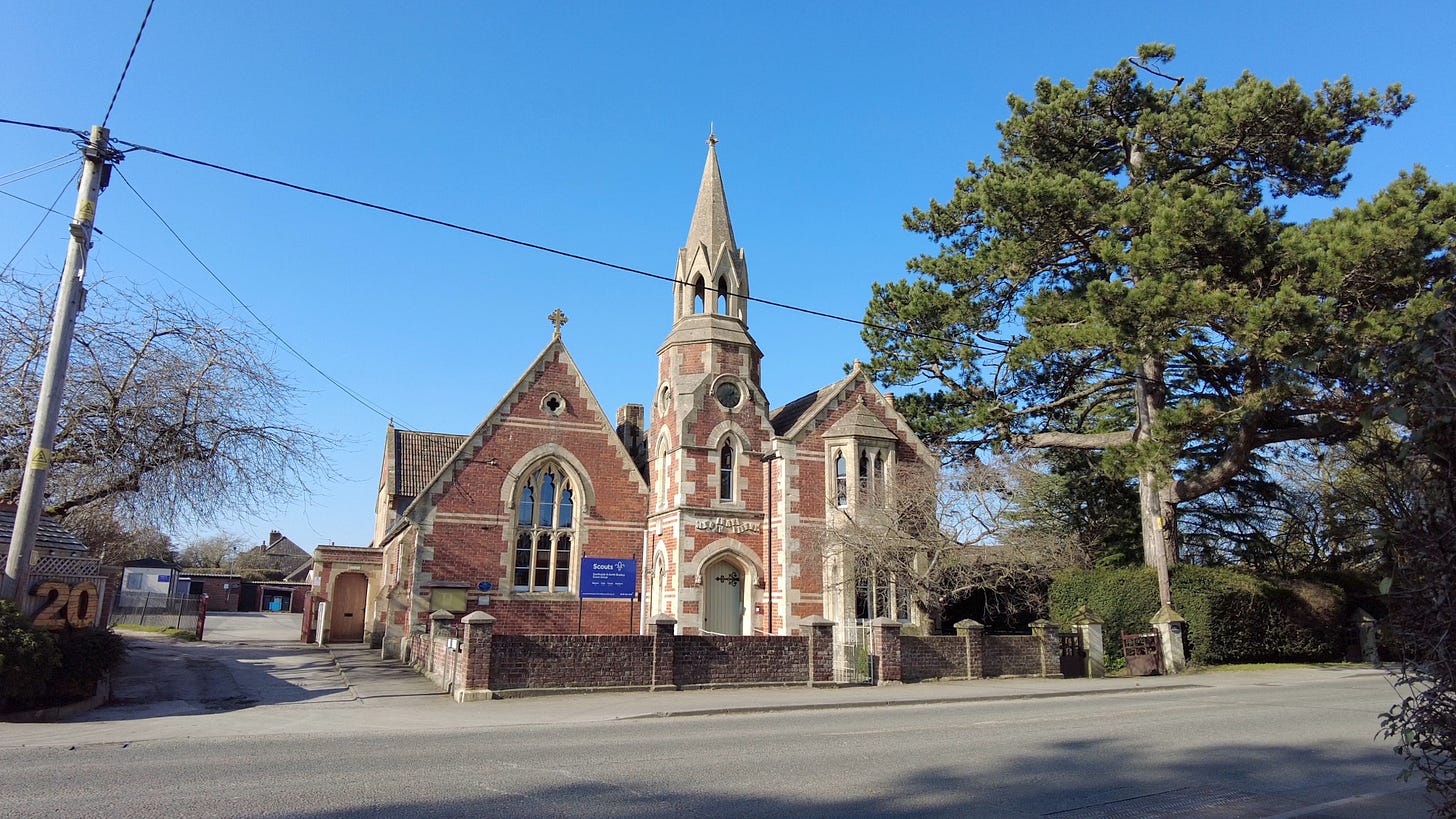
[(732, 525)]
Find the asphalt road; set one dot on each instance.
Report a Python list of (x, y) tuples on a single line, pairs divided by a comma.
[(1304, 748)]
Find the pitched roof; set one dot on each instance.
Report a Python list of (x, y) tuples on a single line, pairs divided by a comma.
[(859, 422), (469, 444), (799, 416), (300, 572), (784, 418), (48, 534), (280, 545), (418, 456)]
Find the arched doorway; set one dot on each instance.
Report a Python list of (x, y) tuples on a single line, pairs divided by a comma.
[(346, 604), (723, 599)]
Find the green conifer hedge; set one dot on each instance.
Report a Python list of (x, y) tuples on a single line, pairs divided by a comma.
[(1233, 616)]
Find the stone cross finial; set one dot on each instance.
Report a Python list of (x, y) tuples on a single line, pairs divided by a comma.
[(557, 318), (712, 135)]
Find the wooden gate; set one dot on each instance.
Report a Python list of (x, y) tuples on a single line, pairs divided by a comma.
[(346, 622), (1074, 655)]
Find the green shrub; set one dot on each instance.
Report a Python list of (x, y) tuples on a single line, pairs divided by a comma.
[(28, 658), (39, 668), (86, 654), (1232, 616)]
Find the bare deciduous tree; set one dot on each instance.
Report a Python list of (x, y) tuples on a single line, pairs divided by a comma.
[(218, 551), (169, 415), (115, 541), (930, 537)]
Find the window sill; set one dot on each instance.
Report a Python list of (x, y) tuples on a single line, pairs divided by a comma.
[(531, 596)]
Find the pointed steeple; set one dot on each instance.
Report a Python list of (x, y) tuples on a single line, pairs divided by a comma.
[(711, 227), (712, 272)]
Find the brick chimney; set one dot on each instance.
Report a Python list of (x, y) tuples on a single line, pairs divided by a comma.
[(630, 422)]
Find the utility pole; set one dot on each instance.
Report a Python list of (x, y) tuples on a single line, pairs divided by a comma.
[(69, 301)]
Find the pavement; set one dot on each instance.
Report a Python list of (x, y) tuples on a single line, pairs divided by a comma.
[(252, 677)]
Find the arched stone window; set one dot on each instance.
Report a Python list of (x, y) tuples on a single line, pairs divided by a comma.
[(726, 467), (841, 480), (722, 296), (865, 467), (661, 477), (545, 531)]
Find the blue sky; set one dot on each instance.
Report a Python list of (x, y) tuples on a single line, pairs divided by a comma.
[(581, 126)]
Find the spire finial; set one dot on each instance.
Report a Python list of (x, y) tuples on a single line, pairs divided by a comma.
[(557, 318), (712, 135)]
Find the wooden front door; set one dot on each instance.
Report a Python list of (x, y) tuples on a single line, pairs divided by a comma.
[(346, 623), (723, 600)]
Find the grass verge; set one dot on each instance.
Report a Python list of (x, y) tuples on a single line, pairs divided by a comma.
[(179, 633)]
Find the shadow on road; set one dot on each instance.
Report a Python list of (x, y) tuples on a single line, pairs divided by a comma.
[(1081, 780)]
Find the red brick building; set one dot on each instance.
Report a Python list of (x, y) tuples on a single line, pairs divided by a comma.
[(720, 500)]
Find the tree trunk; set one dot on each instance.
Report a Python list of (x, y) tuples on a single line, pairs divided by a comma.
[(1157, 510)]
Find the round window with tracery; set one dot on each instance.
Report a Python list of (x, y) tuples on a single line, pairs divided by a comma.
[(554, 404)]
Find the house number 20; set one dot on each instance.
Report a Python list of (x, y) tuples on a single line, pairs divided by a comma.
[(66, 604)]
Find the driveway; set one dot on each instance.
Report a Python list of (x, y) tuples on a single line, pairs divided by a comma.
[(246, 660), (252, 627)]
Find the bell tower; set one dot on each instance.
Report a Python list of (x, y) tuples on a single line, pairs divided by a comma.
[(710, 291), (708, 430)]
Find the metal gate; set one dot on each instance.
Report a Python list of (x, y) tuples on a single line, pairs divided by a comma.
[(852, 655), (1074, 655), (1142, 654)]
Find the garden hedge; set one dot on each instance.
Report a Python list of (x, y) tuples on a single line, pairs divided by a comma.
[(1233, 616)]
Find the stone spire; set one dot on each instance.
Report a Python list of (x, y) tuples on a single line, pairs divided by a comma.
[(711, 227), (712, 272)]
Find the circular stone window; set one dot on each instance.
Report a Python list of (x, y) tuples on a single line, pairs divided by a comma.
[(664, 397), (728, 394), (554, 404)]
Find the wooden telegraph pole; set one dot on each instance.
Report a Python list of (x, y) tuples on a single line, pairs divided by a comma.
[(69, 302)]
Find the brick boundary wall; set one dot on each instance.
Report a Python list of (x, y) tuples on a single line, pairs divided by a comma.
[(1015, 655), (934, 658), (1012, 655), (488, 666), (705, 662), (578, 662), (483, 665)]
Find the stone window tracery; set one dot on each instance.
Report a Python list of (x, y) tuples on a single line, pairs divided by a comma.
[(545, 531)]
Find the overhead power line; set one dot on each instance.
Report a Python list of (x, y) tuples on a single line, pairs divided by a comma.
[(359, 399), (127, 67), (54, 162), (36, 229), (19, 176), (72, 131), (51, 210), (899, 331), (543, 248)]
